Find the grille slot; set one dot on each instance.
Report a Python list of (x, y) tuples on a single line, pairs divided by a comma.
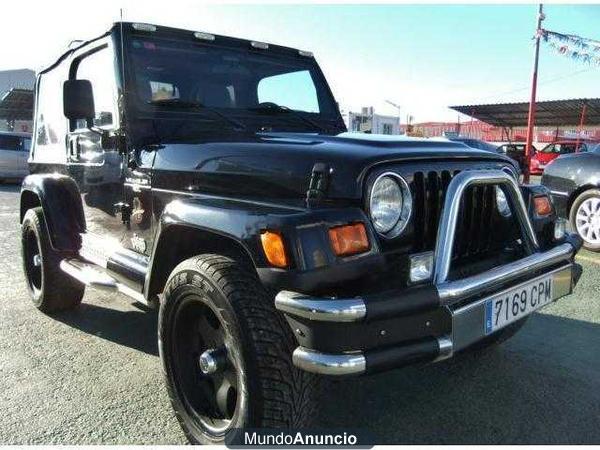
[(480, 228), (430, 192)]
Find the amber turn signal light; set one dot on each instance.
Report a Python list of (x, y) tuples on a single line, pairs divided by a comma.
[(542, 205), (274, 248), (349, 240)]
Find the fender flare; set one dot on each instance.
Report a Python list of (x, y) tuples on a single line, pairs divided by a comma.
[(234, 223), (59, 197), (239, 223)]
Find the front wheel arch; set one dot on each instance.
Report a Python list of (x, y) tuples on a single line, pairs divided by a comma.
[(176, 243), (576, 193)]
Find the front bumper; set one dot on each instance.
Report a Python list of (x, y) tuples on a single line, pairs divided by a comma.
[(344, 336)]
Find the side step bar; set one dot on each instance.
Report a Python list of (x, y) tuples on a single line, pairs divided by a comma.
[(95, 277)]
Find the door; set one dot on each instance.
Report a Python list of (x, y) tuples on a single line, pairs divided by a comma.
[(24, 150), (13, 156), (102, 171)]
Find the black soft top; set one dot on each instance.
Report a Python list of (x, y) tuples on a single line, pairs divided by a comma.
[(180, 34)]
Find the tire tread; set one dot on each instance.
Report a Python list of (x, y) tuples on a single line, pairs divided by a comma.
[(288, 395)]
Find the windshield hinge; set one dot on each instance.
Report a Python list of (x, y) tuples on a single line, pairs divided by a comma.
[(319, 184)]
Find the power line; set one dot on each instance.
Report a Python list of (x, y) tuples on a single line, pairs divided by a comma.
[(551, 80)]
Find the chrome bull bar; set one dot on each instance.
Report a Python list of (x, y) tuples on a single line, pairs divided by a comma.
[(449, 292), (449, 217)]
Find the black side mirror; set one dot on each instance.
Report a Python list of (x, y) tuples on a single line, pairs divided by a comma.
[(78, 100)]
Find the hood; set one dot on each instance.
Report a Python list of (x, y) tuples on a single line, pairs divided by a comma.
[(271, 165), (545, 157)]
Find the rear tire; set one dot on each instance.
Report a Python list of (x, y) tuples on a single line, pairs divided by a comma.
[(216, 305), (585, 218), (50, 288)]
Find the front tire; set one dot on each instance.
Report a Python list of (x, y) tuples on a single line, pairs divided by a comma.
[(585, 218), (226, 353), (50, 288)]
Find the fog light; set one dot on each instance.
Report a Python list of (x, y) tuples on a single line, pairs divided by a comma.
[(542, 205), (421, 267), (560, 229)]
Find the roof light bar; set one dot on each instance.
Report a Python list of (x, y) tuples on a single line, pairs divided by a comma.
[(306, 53), (204, 36), (260, 45), (143, 27)]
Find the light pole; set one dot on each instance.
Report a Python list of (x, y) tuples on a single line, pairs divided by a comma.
[(531, 118)]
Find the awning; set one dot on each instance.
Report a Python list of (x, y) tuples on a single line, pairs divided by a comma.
[(17, 104), (553, 113)]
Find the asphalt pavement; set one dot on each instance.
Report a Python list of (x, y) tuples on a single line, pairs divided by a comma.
[(93, 376)]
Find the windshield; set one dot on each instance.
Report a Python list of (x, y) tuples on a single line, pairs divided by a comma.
[(475, 143), (13, 142), (514, 148), (560, 149), (190, 78), (482, 145)]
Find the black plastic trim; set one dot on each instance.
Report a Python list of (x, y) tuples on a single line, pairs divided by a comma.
[(401, 302), (425, 350)]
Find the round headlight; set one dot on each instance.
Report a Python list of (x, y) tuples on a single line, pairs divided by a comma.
[(502, 203), (390, 204)]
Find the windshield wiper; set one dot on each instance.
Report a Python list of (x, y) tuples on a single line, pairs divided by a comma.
[(274, 107), (190, 104)]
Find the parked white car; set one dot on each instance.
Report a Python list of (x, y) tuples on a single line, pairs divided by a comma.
[(14, 151)]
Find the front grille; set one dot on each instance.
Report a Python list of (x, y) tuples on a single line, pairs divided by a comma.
[(429, 191), (480, 229)]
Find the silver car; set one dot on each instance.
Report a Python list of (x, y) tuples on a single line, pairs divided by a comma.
[(14, 151)]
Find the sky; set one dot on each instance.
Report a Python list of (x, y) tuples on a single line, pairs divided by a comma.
[(423, 58)]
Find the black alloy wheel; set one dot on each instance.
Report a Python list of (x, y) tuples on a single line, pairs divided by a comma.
[(205, 364), (49, 287)]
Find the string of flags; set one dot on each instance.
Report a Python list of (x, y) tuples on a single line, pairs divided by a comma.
[(575, 47)]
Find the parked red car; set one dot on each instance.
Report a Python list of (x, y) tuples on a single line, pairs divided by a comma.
[(541, 158)]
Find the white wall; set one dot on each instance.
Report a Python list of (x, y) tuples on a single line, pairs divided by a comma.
[(379, 121), (375, 123)]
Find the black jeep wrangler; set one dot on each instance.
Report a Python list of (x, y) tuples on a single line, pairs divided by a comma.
[(213, 177)]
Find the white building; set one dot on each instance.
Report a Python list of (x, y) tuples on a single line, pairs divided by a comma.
[(368, 122)]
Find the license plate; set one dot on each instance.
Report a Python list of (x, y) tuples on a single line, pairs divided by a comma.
[(542, 166), (508, 307)]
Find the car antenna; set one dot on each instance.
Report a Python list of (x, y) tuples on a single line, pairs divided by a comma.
[(122, 49), (123, 87)]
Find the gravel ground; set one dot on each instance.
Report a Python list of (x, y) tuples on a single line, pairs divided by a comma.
[(93, 375)]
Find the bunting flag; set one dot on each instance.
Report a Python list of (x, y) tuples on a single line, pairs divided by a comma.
[(575, 47)]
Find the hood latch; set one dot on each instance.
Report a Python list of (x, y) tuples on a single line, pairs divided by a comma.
[(319, 184)]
